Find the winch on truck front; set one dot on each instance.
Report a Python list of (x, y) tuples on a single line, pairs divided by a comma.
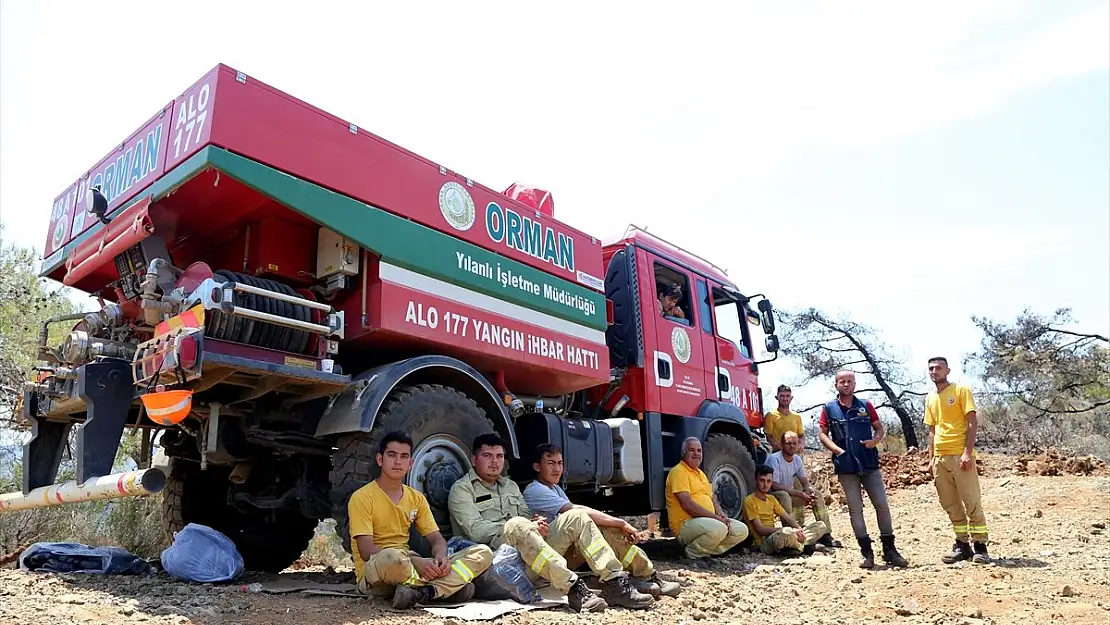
[(279, 287)]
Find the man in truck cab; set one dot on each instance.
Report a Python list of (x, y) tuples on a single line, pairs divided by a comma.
[(693, 511), (381, 514), (670, 294), (487, 507), (546, 498)]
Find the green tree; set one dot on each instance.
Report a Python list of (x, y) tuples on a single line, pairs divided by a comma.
[(1044, 383), (26, 301)]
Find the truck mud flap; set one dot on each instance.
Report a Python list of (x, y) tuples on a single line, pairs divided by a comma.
[(43, 452), (108, 390)]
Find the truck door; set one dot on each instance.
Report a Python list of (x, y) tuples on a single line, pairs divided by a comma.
[(708, 339), (677, 356), (735, 381)]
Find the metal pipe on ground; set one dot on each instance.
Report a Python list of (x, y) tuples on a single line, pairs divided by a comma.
[(116, 486)]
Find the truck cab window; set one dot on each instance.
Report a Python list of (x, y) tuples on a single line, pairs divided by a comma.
[(705, 308), (730, 320), (672, 292)]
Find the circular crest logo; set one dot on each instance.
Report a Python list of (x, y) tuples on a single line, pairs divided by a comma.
[(680, 341), (456, 205)]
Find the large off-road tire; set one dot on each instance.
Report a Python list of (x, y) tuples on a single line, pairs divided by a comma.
[(269, 540), (442, 422), (731, 471)]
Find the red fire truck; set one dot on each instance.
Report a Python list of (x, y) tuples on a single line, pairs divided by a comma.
[(279, 287)]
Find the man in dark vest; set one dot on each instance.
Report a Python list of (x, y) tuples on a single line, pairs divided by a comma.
[(851, 429)]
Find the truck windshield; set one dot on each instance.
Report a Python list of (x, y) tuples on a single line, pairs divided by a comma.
[(730, 321)]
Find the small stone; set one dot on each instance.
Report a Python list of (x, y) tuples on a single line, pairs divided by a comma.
[(699, 615), (1048, 553), (973, 612), (1016, 539), (127, 610), (1068, 591), (1037, 514), (1099, 525), (1095, 530), (71, 599), (909, 607), (843, 585)]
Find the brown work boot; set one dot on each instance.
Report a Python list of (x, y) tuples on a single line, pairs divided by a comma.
[(405, 597), (619, 591), (582, 600), (655, 586)]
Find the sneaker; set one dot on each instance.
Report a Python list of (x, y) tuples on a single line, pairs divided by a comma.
[(582, 600), (655, 586), (462, 595), (980, 556), (405, 597), (619, 591), (960, 551)]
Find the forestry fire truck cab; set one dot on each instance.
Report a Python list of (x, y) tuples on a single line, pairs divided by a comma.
[(279, 287)]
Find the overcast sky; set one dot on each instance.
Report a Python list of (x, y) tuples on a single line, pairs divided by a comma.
[(910, 164)]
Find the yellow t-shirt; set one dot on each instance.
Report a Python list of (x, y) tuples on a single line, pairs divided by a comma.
[(775, 424), (683, 479), (947, 412), (373, 513), (766, 510)]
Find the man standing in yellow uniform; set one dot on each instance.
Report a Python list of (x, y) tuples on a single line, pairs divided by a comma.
[(782, 420), (380, 515), (695, 515), (951, 417), (487, 507), (760, 510)]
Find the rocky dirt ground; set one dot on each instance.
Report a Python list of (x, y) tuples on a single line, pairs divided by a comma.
[(1051, 549)]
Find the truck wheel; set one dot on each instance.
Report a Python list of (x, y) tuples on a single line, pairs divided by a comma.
[(730, 470), (442, 423), (269, 541)]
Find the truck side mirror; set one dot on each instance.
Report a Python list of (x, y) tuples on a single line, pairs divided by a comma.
[(771, 343), (767, 316)]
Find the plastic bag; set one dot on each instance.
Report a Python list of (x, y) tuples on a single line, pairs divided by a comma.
[(506, 577), (202, 554), (77, 558)]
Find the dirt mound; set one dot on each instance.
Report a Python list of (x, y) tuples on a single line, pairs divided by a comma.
[(1054, 462)]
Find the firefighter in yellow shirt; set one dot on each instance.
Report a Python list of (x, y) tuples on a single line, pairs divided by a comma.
[(380, 516), (782, 420), (693, 511), (951, 417)]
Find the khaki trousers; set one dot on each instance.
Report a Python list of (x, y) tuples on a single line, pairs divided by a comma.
[(786, 538), (705, 536), (545, 557), (958, 492), (797, 507), (392, 567), (632, 558)]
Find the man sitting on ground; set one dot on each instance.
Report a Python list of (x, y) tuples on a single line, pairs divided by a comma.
[(792, 488), (488, 508), (545, 498), (381, 514), (693, 511), (760, 510)]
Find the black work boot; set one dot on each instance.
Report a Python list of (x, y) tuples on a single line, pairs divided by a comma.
[(830, 542), (960, 551), (980, 556), (405, 597), (868, 560), (582, 600), (619, 591), (890, 552), (462, 595)]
